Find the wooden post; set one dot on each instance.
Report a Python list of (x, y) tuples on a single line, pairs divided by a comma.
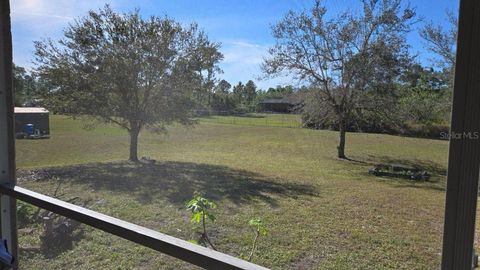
[(464, 153), (8, 212)]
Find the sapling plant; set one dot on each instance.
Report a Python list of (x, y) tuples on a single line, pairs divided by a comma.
[(259, 229), (200, 208)]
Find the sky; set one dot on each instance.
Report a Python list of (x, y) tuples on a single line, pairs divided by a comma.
[(243, 27)]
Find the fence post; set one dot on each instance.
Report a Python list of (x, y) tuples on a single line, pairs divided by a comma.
[(8, 214)]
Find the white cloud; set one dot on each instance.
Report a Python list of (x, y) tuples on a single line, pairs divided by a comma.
[(44, 15), (37, 19), (241, 51), (54, 8), (242, 61)]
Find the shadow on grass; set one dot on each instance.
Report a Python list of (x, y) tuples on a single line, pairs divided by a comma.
[(177, 181), (174, 182), (436, 182), (62, 237), (429, 166)]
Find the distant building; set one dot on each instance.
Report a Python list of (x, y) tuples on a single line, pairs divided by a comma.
[(280, 105), (32, 119)]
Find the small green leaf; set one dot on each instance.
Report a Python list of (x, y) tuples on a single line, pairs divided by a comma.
[(196, 217), (258, 225), (211, 217), (263, 231)]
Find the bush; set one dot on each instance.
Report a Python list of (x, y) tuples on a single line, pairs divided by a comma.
[(414, 112), (424, 107), (433, 131), (26, 214)]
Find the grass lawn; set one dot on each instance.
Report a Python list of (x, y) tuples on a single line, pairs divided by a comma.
[(322, 213)]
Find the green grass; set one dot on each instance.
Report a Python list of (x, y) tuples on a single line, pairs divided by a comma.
[(322, 213)]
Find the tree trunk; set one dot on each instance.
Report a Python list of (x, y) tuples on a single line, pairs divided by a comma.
[(134, 144), (341, 143)]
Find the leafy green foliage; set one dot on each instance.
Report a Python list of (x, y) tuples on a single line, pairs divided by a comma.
[(442, 41), (133, 72), (26, 213), (242, 98), (259, 226), (424, 107), (24, 86), (425, 97), (347, 58), (200, 208), (422, 99)]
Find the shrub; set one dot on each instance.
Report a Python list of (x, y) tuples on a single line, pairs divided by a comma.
[(26, 214)]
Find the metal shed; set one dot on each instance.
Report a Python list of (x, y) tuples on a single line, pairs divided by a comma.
[(34, 117)]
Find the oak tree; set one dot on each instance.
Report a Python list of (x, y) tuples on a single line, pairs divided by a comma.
[(121, 68), (351, 59)]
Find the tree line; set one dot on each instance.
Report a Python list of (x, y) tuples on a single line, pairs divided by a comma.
[(356, 70), (220, 97)]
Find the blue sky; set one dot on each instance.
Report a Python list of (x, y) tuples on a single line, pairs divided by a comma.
[(242, 26)]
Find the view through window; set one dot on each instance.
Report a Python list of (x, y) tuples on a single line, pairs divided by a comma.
[(295, 134)]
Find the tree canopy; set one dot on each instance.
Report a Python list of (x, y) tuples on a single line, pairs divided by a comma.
[(23, 85), (123, 69), (352, 59), (442, 42)]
